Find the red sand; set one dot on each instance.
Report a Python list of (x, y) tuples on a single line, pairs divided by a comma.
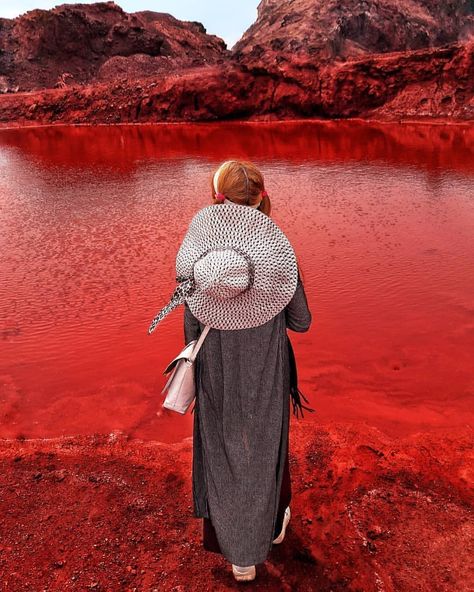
[(370, 514)]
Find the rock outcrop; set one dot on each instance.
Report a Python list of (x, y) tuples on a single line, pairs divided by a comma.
[(98, 41), (380, 59), (329, 30), (419, 85)]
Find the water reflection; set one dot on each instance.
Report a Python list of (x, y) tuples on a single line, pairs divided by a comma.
[(381, 218), (431, 147)]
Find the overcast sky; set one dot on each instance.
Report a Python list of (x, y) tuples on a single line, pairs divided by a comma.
[(226, 19)]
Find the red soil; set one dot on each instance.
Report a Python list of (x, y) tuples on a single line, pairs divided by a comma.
[(369, 514)]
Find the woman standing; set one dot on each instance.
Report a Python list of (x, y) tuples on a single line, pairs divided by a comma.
[(239, 276)]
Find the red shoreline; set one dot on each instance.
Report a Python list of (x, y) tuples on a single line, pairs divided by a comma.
[(427, 121), (370, 513)]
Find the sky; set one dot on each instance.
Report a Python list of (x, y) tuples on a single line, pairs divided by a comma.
[(226, 19)]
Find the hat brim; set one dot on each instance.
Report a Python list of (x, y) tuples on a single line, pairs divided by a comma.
[(273, 257)]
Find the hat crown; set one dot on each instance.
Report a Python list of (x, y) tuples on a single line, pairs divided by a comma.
[(223, 273), (241, 264)]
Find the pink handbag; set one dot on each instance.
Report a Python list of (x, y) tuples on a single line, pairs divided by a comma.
[(180, 387)]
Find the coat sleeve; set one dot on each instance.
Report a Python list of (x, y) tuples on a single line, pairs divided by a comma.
[(297, 313), (192, 329)]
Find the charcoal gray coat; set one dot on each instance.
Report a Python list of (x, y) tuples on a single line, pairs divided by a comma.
[(241, 428)]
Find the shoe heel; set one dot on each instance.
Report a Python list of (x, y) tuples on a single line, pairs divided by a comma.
[(244, 574), (286, 519)]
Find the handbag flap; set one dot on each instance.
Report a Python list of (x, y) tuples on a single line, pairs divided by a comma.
[(184, 354), (180, 387)]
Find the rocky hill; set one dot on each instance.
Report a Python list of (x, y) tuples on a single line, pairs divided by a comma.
[(416, 85), (330, 30), (379, 59), (81, 43)]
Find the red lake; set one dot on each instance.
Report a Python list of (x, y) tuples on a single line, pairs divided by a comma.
[(382, 220)]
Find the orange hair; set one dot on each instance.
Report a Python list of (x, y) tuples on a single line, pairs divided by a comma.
[(233, 184)]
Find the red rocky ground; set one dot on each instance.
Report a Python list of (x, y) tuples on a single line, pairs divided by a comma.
[(370, 59), (422, 85), (370, 514)]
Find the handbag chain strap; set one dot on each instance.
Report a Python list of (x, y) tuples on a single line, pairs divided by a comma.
[(200, 341)]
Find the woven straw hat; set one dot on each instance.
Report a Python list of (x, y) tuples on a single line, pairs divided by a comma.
[(236, 268)]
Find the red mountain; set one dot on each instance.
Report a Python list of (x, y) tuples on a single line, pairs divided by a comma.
[(90, 42), (383, 59), (330, 30)]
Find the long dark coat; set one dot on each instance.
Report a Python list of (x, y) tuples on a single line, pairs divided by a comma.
[(241, 428)]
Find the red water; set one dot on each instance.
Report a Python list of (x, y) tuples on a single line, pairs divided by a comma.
[(381, 217)]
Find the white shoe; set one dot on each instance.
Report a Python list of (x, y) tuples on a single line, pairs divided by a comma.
[(286, 519), (244, 574)]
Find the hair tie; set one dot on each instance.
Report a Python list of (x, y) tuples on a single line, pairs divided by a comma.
[(220, 197), (264, 193)]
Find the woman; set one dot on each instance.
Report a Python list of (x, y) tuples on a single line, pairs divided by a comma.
[(245, 285)]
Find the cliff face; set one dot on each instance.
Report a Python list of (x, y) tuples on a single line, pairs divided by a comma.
[(79, 43), (330, 30), (423, 84), (426, 83), (384, 59)]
